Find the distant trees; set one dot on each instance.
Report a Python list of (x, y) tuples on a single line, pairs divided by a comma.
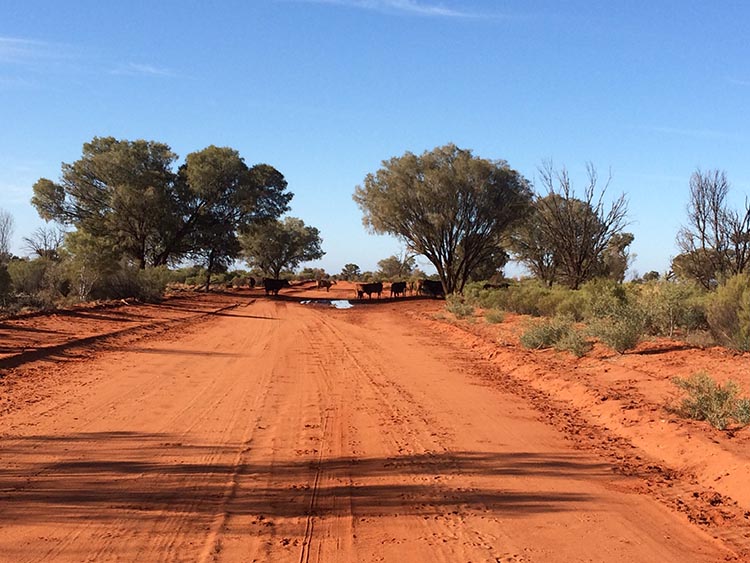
[(350, 272), (446, 204), (45, 242), (126, 195), (396, 267), (571, 240), (715, 242), (6, 234), (273, 246)]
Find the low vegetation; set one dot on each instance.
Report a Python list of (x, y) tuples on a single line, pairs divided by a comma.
[(559, 333), (719, 405), (459, 307)]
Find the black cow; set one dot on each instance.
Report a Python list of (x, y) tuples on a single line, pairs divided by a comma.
[(398, 288), (326, 283), (273, 286), (251, 282), (501, 285), (369, 289), (431, 288)]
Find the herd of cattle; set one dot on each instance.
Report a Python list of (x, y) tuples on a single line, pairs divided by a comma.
[(429, 288)]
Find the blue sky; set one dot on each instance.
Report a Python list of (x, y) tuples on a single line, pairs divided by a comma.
[(324, 90)]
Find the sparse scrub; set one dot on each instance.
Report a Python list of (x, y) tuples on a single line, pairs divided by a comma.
[(622, 330), (458, 306), (670, 306), (728, 312), (574, 342), (719, 405), (494, 316), (545, 333), (603, 298)]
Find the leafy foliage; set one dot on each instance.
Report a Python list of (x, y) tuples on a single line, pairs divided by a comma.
[(446, 204), (273, 246), (459, 306), (728, 312), (719, 405)]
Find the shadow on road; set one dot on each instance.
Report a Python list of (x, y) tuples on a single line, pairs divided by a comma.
[(99, 475)]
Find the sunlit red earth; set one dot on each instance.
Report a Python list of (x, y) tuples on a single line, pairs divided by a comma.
[(239, 427)]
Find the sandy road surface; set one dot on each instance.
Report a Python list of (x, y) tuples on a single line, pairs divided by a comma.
[(275, 431)]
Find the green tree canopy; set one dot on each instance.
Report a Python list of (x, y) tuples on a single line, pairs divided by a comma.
[(446, 204), (222, 197), (273, 246), (350, 272), (127, 196), (119, 191), (396, 268)]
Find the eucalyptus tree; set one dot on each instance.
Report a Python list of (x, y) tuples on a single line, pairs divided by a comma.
[(274, 246), (119, 191), (446, 204)]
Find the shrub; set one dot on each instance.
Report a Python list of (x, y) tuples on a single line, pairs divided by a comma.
[(574, 342), (669, 306), (742, 412), (457, 305), (728, 312), (545, 333), (719, 405), (603, 298), (494, 316), (622, 330)]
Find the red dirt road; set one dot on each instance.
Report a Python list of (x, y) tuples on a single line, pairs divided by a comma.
[(275, 431)]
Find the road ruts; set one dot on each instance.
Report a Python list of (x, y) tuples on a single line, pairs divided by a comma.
[(290, 433)]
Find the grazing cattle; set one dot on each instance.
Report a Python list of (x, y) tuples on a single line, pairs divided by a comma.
[(501, 285), (431, 288), (272, 286), (251, 282), (398, 288), (326, 283), (369, 289)]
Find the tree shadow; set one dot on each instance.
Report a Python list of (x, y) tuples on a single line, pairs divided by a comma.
[(99, 475)]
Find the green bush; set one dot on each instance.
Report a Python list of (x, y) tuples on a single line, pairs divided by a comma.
[(27, 276), (457, 305), (669, 306), (603, 298), (545, 333), (719, 405), (494, 316), (742, 412), (574, 342), (728, 313), (621, 330)]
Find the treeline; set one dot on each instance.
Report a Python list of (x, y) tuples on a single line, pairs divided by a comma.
[(125, 212)]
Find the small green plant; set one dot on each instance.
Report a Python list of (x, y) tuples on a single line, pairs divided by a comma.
[(742, 412), (622, 330), (494, 316), (728, 313), (719, 405), (457, 305), (574, 342), (545, 333)]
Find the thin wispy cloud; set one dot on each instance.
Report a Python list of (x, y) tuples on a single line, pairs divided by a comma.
[(739, 82), (136, 69), (17, 50), (411, 7)]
